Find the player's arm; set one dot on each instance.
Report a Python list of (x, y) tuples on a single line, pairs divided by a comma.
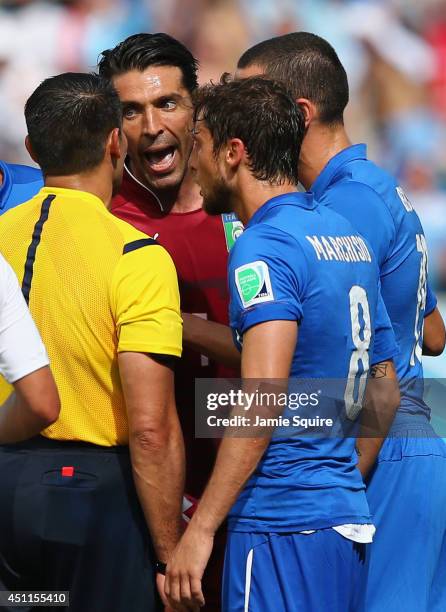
[(267, 321), (145, 300), (24, 363), (267, 354), (32, 407), (434, 335), (268, 350), (382, 393), (211, 339), (380, 405)]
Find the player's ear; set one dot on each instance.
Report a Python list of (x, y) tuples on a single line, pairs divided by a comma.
[(308, 109), (30, 149), (235, 151)]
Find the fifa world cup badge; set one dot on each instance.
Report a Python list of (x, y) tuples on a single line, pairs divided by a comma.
[(233, 228)]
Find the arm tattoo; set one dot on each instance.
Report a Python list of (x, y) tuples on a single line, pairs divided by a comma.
[(379, 370)]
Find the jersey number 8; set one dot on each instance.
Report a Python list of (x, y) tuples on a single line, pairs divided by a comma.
[(361, 334)]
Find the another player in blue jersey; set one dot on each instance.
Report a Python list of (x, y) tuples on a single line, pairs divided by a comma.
[(17, 184), (305, 304), (407, 489)]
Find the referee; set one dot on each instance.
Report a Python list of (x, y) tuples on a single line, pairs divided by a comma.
[(78, 502)]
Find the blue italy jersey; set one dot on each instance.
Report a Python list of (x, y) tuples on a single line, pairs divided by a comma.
[(20, 183), (301, 262), (379, 210)]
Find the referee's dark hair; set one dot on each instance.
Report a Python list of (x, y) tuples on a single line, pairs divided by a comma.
[(310, 68), (140, 51), (69, 118), (263, 115)]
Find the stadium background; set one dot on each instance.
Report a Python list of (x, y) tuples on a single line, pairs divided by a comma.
[(394, 52)]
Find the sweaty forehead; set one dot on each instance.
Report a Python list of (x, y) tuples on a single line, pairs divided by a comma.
[(151, 82)]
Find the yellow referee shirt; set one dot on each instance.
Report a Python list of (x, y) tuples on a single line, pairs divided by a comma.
[(96, 287)]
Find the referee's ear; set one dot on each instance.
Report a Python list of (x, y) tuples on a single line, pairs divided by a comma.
[(30, 150), (117, 144)]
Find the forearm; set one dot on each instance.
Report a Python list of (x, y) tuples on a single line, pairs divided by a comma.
[(267, 355), (211, 339), (158, 468), (380, 406), (433, 334), (236, 460), (367, 450), (18, 422), (368, 444)]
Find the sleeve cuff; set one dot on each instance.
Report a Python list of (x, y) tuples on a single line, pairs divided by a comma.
[(141, 347), (431, 300), (31, 366), (430, 307), (385, 355), (270, 311)]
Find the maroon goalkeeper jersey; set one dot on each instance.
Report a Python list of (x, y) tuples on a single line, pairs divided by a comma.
[(197, 245)]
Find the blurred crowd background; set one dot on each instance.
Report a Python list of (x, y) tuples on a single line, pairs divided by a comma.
[(394, 52)]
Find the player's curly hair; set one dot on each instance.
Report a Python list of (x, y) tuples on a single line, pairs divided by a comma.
[(263, 115)]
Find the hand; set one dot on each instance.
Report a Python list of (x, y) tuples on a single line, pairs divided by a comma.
[(160, 580), (185, 569)]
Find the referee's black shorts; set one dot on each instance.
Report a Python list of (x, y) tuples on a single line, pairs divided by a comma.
[(70, 520)]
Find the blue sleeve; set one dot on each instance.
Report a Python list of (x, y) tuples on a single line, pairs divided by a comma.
[(367, 212), (385, 346), (20, 183), (431, 300), (267, 274)]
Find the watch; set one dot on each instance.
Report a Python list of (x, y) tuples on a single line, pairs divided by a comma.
[(160, 567)]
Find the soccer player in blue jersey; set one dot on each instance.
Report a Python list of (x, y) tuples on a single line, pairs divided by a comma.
[(17, 184), (304, 303), (407, 488)]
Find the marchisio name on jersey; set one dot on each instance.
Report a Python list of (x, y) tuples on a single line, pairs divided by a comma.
[(340, 248)]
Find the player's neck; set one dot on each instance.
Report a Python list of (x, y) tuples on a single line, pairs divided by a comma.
[(320, 144), (1, 178), (92, 182), (188, 196), (180, 199), (254, 194)]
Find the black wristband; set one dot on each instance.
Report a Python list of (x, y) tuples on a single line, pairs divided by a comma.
[(160, 567)]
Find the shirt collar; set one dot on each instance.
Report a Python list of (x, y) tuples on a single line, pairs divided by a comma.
[(72, 193), (302, 200), (6, 186), (325, 178)]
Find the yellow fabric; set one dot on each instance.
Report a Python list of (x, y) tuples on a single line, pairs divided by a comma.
[(91, 301)]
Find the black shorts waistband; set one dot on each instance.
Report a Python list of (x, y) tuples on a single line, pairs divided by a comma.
[(41, 443)]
